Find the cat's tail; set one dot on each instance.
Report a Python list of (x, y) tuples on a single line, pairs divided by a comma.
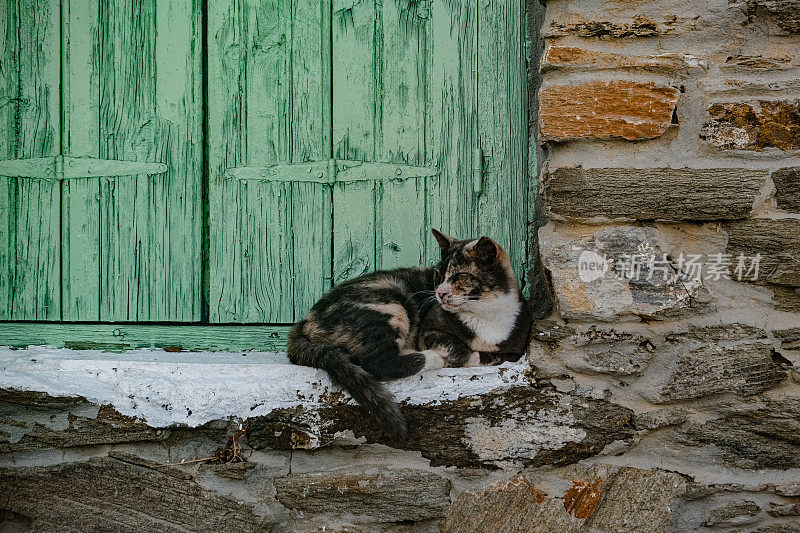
[(370, 393)]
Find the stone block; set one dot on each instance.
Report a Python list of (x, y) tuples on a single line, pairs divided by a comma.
[(605, 110), (753, 126), (32, 420), (777, 241), (790, 338), (107, 494), (579, 498), (786, 298), (659, 419), (789, 509), (616, 362), (532, 426), (719, 333), (561, 56), (737, 513), (638, 26), (744, 369), (652, 193), (618, 291), (785, 12), (787, 188), (758, 438), (384, 495)]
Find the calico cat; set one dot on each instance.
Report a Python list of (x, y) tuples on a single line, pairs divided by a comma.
[(465, 311)]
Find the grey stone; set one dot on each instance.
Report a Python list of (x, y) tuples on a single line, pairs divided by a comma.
[(549, 332), (760, 438), (719, 333), (32, 420), (789, 509), (786, 13), (744, 369), (790, 338), (788, 489), (652, 193), (659, 419), (385, 495), (106, 494), (786, 298), (614, 362), (736, 513), (652, 293), (778, 528), (777, 242), (787, 188), (533, 425), (597, 498)]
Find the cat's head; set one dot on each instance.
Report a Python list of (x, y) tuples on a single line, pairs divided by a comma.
[(472, 274)]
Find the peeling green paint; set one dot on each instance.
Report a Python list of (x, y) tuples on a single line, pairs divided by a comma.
[(337, 135)]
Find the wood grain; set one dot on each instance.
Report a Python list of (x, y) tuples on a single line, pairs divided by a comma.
[(405, 91), (29, 208), (502, 126), (80, 245), (118, 337), (132, 243), (269, 239)]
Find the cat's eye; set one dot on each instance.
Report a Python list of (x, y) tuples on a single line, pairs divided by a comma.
[(461, 276)]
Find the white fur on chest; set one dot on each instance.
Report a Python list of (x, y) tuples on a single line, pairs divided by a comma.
[(492, 321)]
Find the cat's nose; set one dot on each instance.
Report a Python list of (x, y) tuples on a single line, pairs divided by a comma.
[(441, 294)]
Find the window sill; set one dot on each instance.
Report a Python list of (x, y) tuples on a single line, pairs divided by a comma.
[(166, 389)]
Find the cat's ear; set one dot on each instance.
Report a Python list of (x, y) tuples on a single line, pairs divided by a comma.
[(486, 250), (443, 240)]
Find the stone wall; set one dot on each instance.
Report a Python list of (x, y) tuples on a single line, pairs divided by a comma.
[(671, 134), (656, 400)]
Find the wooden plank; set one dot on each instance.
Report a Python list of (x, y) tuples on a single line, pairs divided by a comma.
[(80, 231), (502, 123), (356, 123), (355, 87), (29, 233), (402, 227), (311, 203), (9, 83), (354, 229), (117, 337), (312, 219), (265, 107), (150, 105), (451, 123)]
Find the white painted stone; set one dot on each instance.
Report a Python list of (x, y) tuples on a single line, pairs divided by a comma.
[(193, 388)]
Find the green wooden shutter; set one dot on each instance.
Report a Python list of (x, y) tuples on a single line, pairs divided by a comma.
[(404, 92), (339, 134), (269, 232), (29, 128), (438, 84), (132, 239), (117, 201)]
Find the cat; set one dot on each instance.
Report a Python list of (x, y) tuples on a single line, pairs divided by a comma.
[(465, 311)]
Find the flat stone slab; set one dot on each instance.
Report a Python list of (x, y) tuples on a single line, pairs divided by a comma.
[(164, 389), (109, 494), (387, 495), (531, 425), (571, 499), (652, 193), (606, 110)]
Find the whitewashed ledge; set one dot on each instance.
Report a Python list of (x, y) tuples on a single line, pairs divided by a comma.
[(192, 388)]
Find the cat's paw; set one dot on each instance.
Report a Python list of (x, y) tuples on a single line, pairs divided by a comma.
[(473, 360), (433, 361)]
